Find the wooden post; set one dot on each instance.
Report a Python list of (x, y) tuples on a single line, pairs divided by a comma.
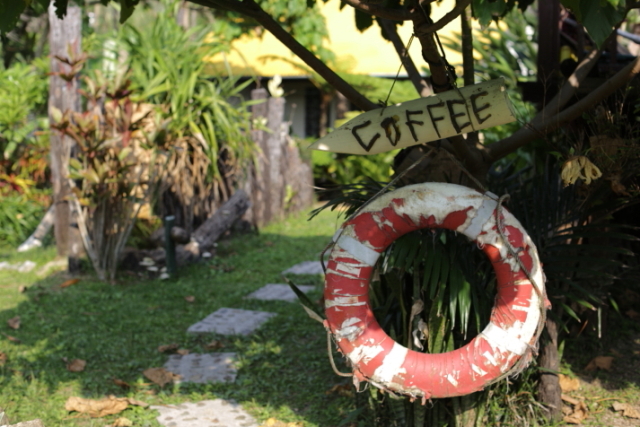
[(549, 386), (281, 181), (258, 182), (170, 246), (276, 159), (65, 39)]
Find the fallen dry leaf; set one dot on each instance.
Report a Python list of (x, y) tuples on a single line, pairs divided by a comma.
[(214, 345), (122, 422), (76, 365), (568, 384), (14, 322), (579, 413), (183, 352), (121, 383), (627, 410), (602, 362), (168, 348), (160, 376), (22, 289), (569, 399), (10, 338), (632, 314), (69, 282), (3, 358), (190, 298), (96, 408)]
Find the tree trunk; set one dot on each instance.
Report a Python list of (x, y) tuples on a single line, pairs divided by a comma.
[(257, 181), (549, 387), (280, 181), (218, 223), (325, 103), (65, 38), (276, 156)]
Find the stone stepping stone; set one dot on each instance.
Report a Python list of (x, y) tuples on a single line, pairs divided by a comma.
[(207, 413), (203, 368), (231, 321), (278, 292), (306, 267)]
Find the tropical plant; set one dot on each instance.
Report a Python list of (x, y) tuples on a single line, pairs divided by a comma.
[(208, 122), (23, 96), (19, 216), (116, 169)]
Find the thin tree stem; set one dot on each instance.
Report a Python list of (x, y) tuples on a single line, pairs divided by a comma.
[(418, 82), (542, 125), (468, 75), (459, 8)]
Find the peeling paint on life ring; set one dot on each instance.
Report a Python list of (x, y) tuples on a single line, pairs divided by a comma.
[(374, 356)]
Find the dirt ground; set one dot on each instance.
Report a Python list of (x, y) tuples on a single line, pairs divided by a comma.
[(601, 389)]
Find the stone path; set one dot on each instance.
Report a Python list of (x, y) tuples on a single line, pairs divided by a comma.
[(220, 367), (231, 321), (278, 292), (305, 267), (203, 368), (207, 413)]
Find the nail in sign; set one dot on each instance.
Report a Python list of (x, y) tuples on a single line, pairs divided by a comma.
[(422, 120)]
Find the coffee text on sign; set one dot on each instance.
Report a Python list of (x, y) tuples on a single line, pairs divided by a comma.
[(422, 120)]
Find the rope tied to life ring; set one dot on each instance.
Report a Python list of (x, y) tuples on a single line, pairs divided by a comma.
[(503, 348)]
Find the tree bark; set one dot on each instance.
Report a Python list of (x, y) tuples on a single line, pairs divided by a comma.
[(280, 181), (549, 386), (65, 38), (223, 218), (276, 159)]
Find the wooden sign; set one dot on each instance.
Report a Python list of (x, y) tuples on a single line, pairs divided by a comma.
[(446, 114)]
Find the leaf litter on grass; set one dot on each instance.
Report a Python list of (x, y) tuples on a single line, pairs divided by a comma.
[(600, 362), (75, 365), (160, 376), (14, 322), (568, 384), (626, 409), (134, 338), (100, 408)]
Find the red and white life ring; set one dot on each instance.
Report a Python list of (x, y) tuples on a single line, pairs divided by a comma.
[(374, 355)]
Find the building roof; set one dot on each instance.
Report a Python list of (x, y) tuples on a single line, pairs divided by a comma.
[(357, 52)]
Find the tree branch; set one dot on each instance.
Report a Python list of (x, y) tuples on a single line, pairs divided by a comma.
[(468, 62), (458, 9), (439, 76), (536, 128), (252, 9), (466, 37), (548, 114), (380, 11), (420, 84), (471, 155)]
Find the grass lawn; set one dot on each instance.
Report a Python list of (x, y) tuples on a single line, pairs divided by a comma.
[(283, 367)]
